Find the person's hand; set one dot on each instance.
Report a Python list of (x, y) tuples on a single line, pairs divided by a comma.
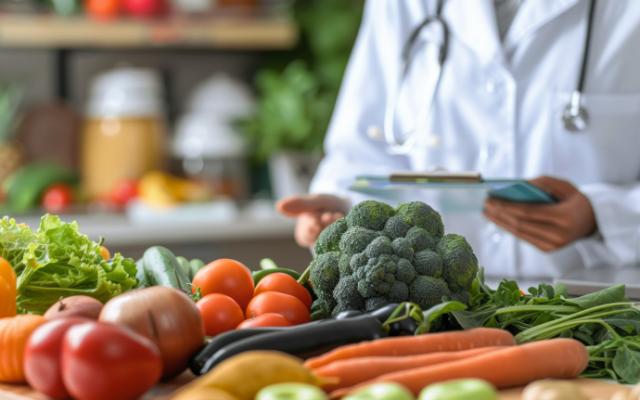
[(314, 213), (548, 227)]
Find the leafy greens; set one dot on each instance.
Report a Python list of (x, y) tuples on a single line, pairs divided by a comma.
[(57, 261)]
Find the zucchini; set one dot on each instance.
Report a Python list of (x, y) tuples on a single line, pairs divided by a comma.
[(258, 275), (195, 266), (163, 269), (185, 266)]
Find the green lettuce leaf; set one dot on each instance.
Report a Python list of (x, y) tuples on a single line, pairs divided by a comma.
[(58, 261)]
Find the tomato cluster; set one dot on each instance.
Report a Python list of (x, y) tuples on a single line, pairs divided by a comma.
[(230, 300)]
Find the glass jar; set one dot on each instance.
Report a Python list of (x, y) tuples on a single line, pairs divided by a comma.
[(124, 131)]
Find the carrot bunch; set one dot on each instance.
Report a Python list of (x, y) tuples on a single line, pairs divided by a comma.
[(417, 361)]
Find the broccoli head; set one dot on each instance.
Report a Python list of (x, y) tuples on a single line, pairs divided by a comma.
[(329, 238), (346, 294), (376, 255), (320, 309), (428, 263), (395, 227), (459, 262), (356, 239), (324, 275), (369, 214), (427, 291), (422, 215), (420, 239)]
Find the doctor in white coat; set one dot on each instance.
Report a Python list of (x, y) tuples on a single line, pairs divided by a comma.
[(509, 72)]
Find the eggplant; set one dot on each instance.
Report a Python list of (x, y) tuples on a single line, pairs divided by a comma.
[(222, 340), (303, 341), (348, 314)]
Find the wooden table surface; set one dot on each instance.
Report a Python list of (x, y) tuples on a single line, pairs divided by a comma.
[(594, 389)]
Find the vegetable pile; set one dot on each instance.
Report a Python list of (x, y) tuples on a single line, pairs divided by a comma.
[(378, 255), (58, 261)]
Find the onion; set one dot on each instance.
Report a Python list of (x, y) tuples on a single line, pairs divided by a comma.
[(75, 306), (166, 316)]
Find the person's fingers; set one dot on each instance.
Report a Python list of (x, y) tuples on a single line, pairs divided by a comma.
[(558, 188), (296, 205), (307, 229), (328, 218), (552, 234), (540, 243), (550, 214)]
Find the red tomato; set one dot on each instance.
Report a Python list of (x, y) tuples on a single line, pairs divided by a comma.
[(284, 304), (42, 357), (57, 198), (103, 9), (102, 361), (228, 277), (283, 283), (146, 8), (220, 313), (265, 320), (124, 192)]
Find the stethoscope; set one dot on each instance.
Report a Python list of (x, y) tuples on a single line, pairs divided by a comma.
[(575, 117)]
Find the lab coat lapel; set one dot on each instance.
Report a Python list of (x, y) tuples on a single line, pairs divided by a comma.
[(532, 15), (473, 22)]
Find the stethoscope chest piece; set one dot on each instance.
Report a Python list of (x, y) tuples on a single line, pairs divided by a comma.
[(575, 116)]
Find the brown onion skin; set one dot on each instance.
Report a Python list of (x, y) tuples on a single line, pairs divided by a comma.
[(75, 306), (166, 316)]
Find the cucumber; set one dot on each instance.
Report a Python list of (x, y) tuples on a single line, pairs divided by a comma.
[(195, 266), (163, 269), (141, 275), (185, 266)]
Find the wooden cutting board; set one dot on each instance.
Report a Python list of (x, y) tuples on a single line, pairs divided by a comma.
[(595, 389)]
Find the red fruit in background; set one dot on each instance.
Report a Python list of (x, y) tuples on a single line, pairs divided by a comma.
[(225, 276), (283, 283), (102, 361), (42, 357), (103, 9), (146, 8), (220, 313), (57, 198), (264, 321), (124, 192), (286, 305)]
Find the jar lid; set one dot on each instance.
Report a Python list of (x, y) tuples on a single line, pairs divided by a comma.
[(126, 92)]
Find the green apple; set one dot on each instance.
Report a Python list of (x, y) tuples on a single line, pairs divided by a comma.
[(460, 389), (291, 391), (381, 391)]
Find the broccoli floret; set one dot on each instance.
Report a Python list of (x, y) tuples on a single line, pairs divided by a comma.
[(356, 239), (379, 246), (377, 276), (329, 238), (369, 214), (399, 292), (422, 215), (405, 271), (344, 265), (459, 261), (365, 289), (358, 261), (402, 248), (396, 227), (428, 263), (346, 294), (375, 303), (320, 309), (325, 274), (426, 291), (420, 239)]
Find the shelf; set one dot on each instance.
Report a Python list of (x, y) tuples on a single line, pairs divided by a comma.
[(217, 32)]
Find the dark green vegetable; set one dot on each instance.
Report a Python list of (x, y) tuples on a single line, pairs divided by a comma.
[(163, 269), (141, 275), (195, 265), (185, 266), (304, 340), (259, 275)]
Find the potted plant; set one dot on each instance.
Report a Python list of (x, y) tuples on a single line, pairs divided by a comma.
[(295, 101)]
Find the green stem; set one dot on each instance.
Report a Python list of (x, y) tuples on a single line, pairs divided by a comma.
[(304, 278), (527, 336), (536, 308)]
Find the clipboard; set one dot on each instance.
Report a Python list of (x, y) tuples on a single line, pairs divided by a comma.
[(514, 190)]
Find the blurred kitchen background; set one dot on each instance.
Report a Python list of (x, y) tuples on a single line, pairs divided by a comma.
[(170, 122)]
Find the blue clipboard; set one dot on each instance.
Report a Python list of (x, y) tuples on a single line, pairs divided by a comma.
[(514, 190)]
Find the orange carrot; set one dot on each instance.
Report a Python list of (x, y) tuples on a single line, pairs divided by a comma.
[(357, 370), (421, 344), (14, 333), (7, 289), (508, 367)]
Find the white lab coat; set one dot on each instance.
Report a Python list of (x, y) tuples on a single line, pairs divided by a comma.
[(498, 111)]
